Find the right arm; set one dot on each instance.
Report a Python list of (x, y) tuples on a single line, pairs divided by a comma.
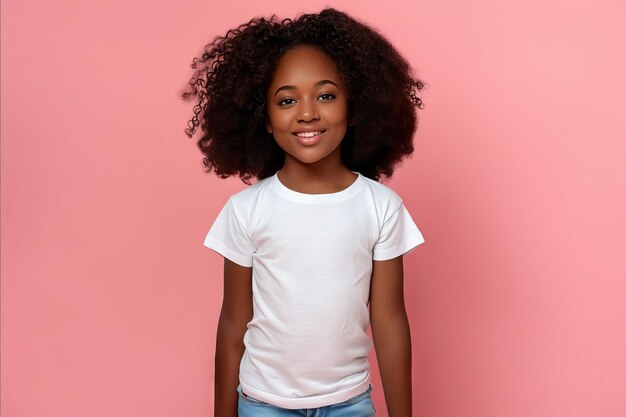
[(236, 313)]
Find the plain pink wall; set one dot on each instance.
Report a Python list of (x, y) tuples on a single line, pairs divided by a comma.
[(517, 300)]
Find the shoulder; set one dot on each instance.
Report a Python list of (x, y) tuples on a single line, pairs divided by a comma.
[(251, 190), (244, 201), (386, 200)]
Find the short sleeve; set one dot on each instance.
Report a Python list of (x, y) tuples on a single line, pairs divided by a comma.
[(228, 237), (398, 236)]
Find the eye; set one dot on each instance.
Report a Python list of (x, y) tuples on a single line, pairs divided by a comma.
[(327, 97), (286, 102)]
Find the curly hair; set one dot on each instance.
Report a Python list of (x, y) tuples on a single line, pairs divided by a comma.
[(234, 71)]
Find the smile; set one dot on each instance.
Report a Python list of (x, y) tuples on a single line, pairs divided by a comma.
[(309, 138), (309, 134)]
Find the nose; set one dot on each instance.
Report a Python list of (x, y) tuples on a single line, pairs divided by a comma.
[(307, 111)]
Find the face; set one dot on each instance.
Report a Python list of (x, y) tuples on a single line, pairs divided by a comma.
[(307, 107)]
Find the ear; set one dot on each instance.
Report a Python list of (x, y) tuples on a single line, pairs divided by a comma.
[(351, 121), (269, 128)]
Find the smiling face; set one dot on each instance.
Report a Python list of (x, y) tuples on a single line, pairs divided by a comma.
[(307, 107)]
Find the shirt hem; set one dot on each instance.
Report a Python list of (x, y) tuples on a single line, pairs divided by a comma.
[(411, 243), (226, 252), (299, 403)]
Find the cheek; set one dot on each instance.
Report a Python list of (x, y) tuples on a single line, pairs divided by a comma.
[(278, 119), (337, 114)]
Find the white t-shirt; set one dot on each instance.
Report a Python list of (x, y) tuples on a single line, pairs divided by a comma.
[(311, 254)]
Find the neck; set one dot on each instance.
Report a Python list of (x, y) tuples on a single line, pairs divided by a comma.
[(318, 178)]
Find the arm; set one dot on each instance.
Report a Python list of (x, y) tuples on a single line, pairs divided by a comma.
[(391, 334), (234, 317)]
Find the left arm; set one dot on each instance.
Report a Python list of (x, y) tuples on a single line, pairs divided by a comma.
[(391, 334)]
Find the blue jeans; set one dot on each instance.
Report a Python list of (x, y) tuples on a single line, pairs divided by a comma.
[(360, 405)]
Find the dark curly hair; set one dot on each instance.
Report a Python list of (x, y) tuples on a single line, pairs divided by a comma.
[(234, 71)]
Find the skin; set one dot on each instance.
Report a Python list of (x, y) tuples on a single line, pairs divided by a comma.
[(299, 98), (236, 313), (391, 335), (306, 102)]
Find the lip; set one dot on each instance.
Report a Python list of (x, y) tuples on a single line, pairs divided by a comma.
[(308, 129), (309, 141)]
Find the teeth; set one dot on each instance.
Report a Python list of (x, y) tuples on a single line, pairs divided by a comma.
[(308, 134)]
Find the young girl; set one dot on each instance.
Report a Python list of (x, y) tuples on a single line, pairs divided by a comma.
[(316, 108)]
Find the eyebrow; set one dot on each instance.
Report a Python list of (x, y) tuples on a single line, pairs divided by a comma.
[(293, 87)]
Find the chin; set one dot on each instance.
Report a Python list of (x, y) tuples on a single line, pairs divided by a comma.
[(309, 161)]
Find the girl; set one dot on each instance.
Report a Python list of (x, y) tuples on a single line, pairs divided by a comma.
[(316, 108)]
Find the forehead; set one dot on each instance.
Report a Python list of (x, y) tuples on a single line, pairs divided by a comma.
[(305, 65)]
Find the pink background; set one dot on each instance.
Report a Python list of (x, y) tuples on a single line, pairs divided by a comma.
[(517, 300)]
